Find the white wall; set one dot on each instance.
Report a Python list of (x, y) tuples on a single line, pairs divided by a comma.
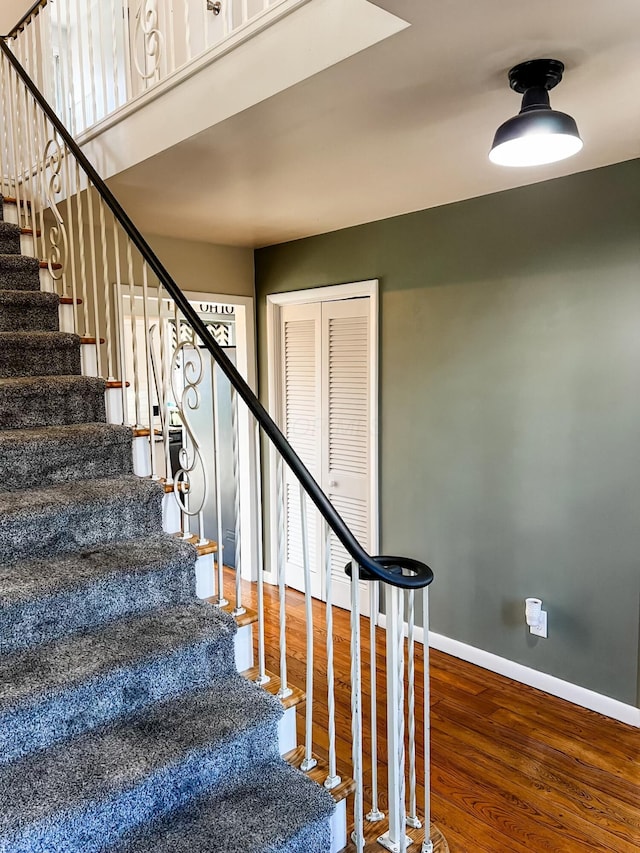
[(11, 11)]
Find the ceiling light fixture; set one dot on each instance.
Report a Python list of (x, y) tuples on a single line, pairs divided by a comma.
[(538, 134)]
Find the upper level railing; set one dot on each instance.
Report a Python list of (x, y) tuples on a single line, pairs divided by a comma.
[(141, 334), (91, 57)]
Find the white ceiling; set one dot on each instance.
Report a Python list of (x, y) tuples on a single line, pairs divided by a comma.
[(401, 126)]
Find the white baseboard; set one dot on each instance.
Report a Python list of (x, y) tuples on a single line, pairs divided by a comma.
[(534, 678)]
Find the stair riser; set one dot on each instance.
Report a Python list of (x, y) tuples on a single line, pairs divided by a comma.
[(101, 824), (116, 693), (21, 409), (26, 466), (72, 527), (93, 605), (17, 317), (29, 359)]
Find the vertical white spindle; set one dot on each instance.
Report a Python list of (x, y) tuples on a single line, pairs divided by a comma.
[(69, 95), (238, 610), (412, 817), (356, 712), (114, 54), (395, 839), (245, 11), (92, 66), (134, 337), (187, 28), (149, 371), (15, 174), (171, 38), (332, 780), (94, 277), (374, 594), (102, 47), (285, 690), (427, 844), (309, 761), (129, 47), (262, 677), (80, 66), (120, 323), (164, 382), (106, 293), (217, 454), (81, 247)]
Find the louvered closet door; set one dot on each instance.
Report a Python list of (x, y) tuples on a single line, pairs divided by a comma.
[(347, 441), (301, 342)]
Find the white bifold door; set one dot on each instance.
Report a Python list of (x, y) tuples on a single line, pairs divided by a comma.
[(327, 381)]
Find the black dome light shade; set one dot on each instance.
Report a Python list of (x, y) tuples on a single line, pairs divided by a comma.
[(538, 134)]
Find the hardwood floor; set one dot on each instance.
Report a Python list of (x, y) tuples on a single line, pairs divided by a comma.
[(514, 770)]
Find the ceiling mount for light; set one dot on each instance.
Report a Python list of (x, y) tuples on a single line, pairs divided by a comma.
[(538, 134)]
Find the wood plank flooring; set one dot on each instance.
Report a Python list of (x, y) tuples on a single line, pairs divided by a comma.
[(514, 770)]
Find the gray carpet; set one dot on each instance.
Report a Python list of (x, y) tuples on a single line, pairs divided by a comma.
[(124, 725)]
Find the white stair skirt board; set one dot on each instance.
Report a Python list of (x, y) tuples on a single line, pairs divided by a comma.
[(244, 648), (46, 284), (113, 400), (10, 213), (89, 360), (27, 247), (339, 827), (65, 313), (287, 738), (142, 466), (581, 696), (170, 513)]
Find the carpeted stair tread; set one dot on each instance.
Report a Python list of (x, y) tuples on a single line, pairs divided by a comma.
[(43, 600), (45, 456), (39, 354), (33, 401), (9, 238), (275, 809), (61, 689), (83, 795), (78, 515), (25, 310), (18, 272)]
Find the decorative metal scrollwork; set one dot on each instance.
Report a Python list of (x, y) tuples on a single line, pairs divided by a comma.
[(186, 364), (152, 39), (58, 241)]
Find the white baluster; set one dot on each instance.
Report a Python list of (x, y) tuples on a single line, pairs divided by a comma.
[(222, 601), (81, 247), (80, 65), (356, 711), (332, 780), (149, 370), (238, 610), (134, 337), (106, 292), (412, 818), (309, 761), (120, 325), (374, 593), (395, 839), (262, 677), (103, 61), (285, 690), (427, 844)]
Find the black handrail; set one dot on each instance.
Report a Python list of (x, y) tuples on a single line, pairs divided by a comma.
[(33, 10), (405, 573)]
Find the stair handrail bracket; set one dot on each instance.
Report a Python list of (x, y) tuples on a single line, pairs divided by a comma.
[(157, 359)]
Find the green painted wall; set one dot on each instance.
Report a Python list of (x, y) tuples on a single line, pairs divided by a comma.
[(510, 410)]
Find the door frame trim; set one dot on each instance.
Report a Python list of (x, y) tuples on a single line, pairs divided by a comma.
[(330, 293)]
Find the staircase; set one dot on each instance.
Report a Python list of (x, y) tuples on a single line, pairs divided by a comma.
[(124, 724)]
